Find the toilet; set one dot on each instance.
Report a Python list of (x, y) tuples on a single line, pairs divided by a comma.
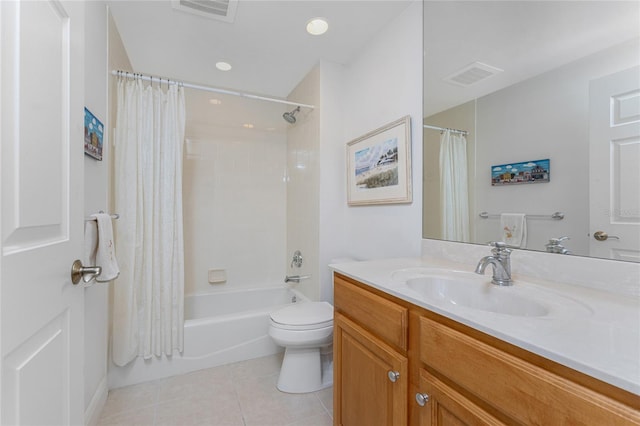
[(305, 330)]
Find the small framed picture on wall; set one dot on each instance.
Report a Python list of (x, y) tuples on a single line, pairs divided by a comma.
[(537, 171), (93, 135)]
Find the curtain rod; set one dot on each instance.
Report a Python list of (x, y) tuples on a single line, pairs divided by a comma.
[(207, 88), (442, 129)]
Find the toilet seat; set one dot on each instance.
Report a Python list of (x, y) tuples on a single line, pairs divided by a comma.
[(303, 316)]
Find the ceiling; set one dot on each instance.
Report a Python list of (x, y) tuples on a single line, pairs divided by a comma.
[(270, 51), (523, 38), (267, 45)]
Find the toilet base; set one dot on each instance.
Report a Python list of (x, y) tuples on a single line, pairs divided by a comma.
[(302, 371)]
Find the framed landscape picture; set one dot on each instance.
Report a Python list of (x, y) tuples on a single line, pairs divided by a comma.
[(379, 165)]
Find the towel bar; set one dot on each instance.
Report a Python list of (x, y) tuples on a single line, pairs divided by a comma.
[(113, 216), (556, 216)]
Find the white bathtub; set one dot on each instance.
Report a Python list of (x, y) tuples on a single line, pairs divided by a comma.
[(219, 328)]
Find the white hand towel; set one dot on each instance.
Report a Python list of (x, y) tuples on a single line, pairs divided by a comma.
[(513, 228), (90, 242), (106, 250)]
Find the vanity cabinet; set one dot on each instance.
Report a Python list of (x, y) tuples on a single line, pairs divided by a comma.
[(370, 363), (456, 375), (511, 387)]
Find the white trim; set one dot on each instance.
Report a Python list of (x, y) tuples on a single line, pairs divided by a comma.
[(98, 401)]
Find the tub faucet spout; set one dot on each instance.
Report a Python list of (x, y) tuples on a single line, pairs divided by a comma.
[(295, 278)]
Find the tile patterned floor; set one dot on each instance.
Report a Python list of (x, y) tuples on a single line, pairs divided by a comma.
[(240, 394)]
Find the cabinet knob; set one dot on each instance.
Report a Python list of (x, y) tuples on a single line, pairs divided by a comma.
[(422, 399), (393, 376)]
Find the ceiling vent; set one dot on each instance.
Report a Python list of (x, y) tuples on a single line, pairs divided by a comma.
[(222, 10), (471, 74)]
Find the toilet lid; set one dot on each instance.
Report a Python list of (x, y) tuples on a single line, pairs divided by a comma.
[(318, 314)]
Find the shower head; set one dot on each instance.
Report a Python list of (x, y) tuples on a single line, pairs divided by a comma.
[(290, 117)]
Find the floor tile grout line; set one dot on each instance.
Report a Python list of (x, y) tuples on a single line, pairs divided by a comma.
[(326, 409), (235, 391), (133, 409)]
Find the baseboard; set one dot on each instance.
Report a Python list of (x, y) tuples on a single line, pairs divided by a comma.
[(99, 399)]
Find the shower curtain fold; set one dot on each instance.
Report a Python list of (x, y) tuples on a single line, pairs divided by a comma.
[(148, 313), (454, 194)]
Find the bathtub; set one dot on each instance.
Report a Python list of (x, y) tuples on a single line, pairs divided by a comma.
[(219, 328)]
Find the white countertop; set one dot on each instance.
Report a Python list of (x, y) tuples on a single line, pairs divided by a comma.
[(594, 332)]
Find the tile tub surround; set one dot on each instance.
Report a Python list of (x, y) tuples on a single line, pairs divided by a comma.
[(239, 394), (604, 343)]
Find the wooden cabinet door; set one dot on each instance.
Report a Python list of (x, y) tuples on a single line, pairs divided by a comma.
[(446, 407), (364, 394)]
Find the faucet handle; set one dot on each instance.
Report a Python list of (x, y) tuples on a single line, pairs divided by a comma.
[(499, 248), (497, 244)]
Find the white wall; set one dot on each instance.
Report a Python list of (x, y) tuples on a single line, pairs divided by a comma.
[(96, 198), (332, 189), (544, 117), (381, 84), (303, 168), (234, 207)]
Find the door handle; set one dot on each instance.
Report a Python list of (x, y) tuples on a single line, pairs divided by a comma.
[(603, 236), (87, 273)]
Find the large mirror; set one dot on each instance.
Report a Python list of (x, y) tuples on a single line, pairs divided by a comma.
[(544, 102)]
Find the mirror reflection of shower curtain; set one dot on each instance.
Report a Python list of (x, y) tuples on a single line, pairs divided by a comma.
[(148, 306), (454, 194)]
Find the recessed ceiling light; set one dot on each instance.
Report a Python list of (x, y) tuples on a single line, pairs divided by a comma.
[(214, 101), (317, 26), (223, 66), (248, 126)]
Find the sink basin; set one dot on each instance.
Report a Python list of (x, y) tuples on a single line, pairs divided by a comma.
[(473, 294), (403, 275)]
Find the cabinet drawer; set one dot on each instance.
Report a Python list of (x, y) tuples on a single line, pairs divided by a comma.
[(519, 389), (383, 317)]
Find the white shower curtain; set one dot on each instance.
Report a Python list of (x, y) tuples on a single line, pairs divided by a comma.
[(454, 194), (148, 312)]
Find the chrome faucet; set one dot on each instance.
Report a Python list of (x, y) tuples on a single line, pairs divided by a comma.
[(501, 263), (555, 246)]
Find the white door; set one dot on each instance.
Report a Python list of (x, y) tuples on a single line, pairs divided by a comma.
[(614, 166), (41, 121)]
